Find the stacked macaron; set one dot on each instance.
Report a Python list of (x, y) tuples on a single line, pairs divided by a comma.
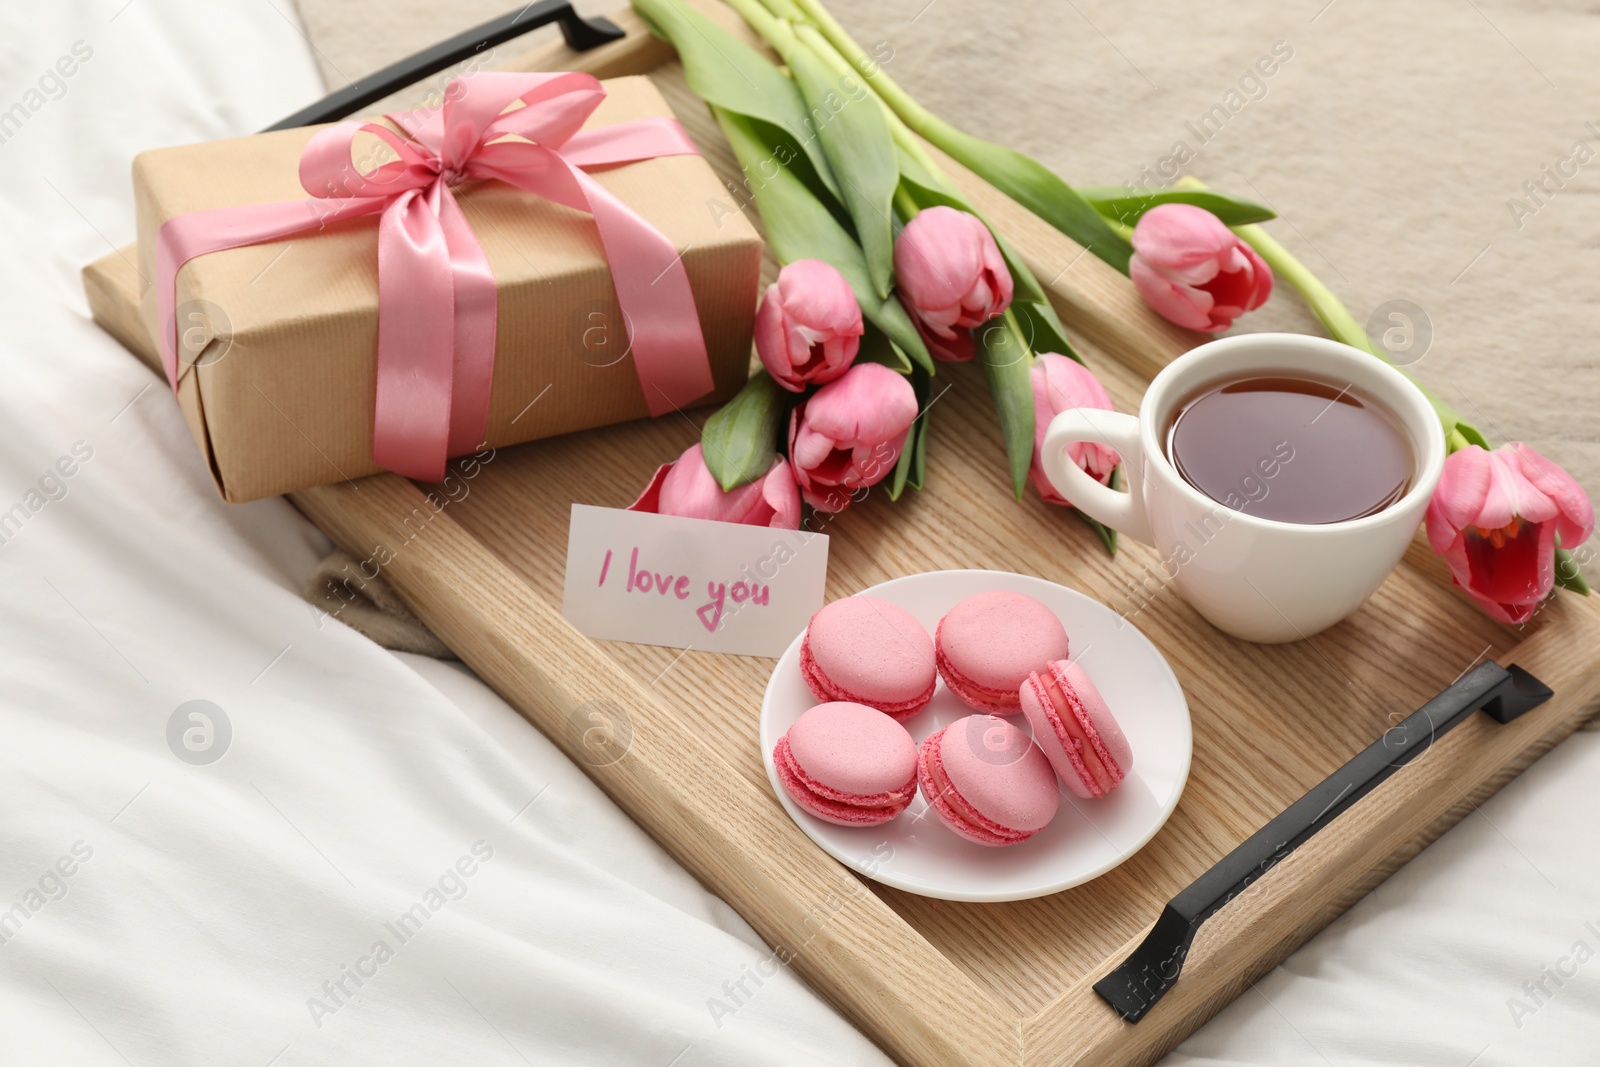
[(850, 761)]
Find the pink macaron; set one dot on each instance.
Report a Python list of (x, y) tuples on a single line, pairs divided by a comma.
[(848, 764), (989, 643), (1075, 729), (987, 781), (869, 651)]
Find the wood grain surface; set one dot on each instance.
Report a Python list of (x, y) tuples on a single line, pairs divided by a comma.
[(937, 982)]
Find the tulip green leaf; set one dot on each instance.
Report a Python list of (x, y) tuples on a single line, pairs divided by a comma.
[(1127, 205), (1026, 286), (728, 74), (740, 441), (1107, 535), (1035, 187), (924, 180), (902, 468), (913, 457), (799, 226), (902, 361), (1473, 435), (856, 139), (1005, 360), (1042, 329), (1567, 576)]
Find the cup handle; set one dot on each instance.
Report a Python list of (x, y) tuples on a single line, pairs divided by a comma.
[(1121, 511)]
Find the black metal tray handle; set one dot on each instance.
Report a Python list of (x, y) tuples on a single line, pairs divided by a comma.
[(1503, 693), (581, 34)]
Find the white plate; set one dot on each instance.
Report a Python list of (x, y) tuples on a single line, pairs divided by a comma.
[(918, 853)]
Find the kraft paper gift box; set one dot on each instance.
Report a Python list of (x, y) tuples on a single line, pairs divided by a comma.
[(278, 350)]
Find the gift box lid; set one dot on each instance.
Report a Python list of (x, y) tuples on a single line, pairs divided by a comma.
[(279, 343)]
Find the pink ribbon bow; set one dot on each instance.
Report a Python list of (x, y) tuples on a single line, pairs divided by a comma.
[(437, 305)]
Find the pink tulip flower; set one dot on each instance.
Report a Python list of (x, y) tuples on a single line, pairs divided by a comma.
[(1060, 384), (849, 434), (687, 487), (1193, 270), (1494, 518), (808, 328), (951, 276)]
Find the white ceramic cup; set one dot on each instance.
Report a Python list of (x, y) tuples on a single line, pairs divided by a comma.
[(1255, 578)]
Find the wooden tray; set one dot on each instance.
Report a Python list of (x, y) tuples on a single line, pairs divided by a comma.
[(940, 983)]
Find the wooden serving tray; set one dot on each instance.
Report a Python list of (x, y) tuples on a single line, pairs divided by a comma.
[(937, 983)]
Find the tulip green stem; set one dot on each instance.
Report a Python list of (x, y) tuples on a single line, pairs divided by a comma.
[(772, 28), (899, 101), (1323, 303), (784, 9), (1342, 326), (829, 54), (911, 144)]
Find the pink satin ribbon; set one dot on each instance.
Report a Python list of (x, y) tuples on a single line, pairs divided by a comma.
[(437, 305)]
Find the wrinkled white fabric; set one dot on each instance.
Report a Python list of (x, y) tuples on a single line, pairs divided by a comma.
[(158, 911)]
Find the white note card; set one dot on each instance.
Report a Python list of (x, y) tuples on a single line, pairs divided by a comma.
[(691, 583)]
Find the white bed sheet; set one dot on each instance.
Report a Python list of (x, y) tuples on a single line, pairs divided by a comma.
[(207, 905)]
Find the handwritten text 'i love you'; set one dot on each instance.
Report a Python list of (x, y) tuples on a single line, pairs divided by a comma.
[(681, 586), (717, 587)]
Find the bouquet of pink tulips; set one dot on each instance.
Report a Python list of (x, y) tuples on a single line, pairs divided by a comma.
[(888, 270)]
